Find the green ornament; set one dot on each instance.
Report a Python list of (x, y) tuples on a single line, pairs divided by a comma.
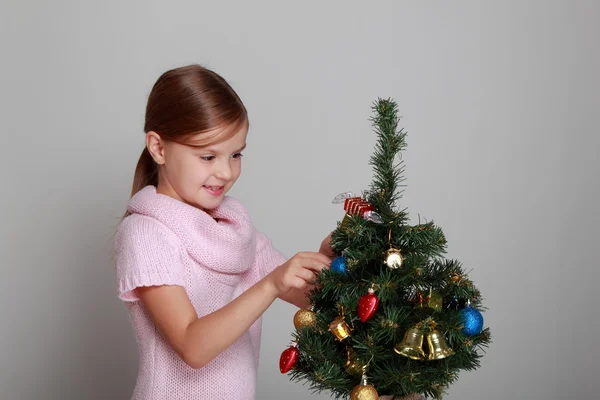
[(434, 300)]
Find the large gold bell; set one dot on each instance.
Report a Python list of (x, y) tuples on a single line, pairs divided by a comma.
[(340, 328), (438, 348), (412, 345)]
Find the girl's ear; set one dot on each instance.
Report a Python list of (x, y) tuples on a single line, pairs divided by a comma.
[(155, 146)]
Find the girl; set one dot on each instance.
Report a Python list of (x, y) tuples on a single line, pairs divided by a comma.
[(193, 272)]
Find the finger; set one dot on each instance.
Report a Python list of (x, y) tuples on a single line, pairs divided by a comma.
[(306, 274), (313, 264), (298, 283), (320, 257), (314, 256), (326, 242)]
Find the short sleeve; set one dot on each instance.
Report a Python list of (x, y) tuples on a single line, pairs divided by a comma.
[(146, 254), (267, 257)]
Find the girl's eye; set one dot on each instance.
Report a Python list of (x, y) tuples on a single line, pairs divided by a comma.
[(238, 155), (207, 158)]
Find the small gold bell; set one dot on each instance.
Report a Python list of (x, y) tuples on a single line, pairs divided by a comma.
[(353, 365), (438, 348), (340, 328), (354, 368), (412, 345)]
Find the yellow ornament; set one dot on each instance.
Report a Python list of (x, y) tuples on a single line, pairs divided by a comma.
[(340, 328), (364, 391), (354, 368), (305, 318), (438, 348), (412, 345), (353, 365)]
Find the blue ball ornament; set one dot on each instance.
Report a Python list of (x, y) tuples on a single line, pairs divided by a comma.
[(339, 265), (472, 321)]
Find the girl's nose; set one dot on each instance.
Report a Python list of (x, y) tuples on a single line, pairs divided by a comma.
[(224, 171)]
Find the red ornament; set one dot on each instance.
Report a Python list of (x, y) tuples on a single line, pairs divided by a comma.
[(367, 305), (357, 206), (289, 358), (350, 202)]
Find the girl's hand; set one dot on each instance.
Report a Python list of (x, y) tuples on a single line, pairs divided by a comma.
[(298, 272)]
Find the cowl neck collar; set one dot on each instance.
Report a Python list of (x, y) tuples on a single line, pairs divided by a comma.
[(223, 241)]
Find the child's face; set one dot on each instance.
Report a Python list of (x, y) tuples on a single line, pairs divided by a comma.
[(201, 176)]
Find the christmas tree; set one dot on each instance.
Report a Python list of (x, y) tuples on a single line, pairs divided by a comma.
[(391, 316)]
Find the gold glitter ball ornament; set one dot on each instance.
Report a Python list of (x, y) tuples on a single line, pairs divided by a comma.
[(364, 391), (305, 318)]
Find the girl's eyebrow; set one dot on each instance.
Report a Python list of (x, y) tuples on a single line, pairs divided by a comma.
[(215, 151), (242, 148)]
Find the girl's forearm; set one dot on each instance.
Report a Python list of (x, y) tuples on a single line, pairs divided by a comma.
[(210, 335)]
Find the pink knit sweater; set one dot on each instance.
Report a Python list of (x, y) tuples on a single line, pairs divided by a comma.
[(215, 258)]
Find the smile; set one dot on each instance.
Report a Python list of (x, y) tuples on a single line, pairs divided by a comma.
[(215, 190)]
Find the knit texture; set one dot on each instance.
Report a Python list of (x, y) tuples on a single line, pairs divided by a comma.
[(215, 258)]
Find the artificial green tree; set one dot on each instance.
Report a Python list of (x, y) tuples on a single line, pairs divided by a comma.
[(417, 327)]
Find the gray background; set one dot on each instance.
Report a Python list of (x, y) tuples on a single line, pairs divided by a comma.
[(500, 101)]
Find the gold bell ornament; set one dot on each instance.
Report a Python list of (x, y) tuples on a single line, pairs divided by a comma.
[(305, 318), (393, 257), (340, 328), (354, 366), (364, 391), (411, 345), (438, 348)]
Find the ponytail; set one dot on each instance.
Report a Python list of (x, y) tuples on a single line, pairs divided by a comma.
[(146, 173)]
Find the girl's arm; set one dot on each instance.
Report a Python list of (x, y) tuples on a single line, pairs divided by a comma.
[(198, 340)]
